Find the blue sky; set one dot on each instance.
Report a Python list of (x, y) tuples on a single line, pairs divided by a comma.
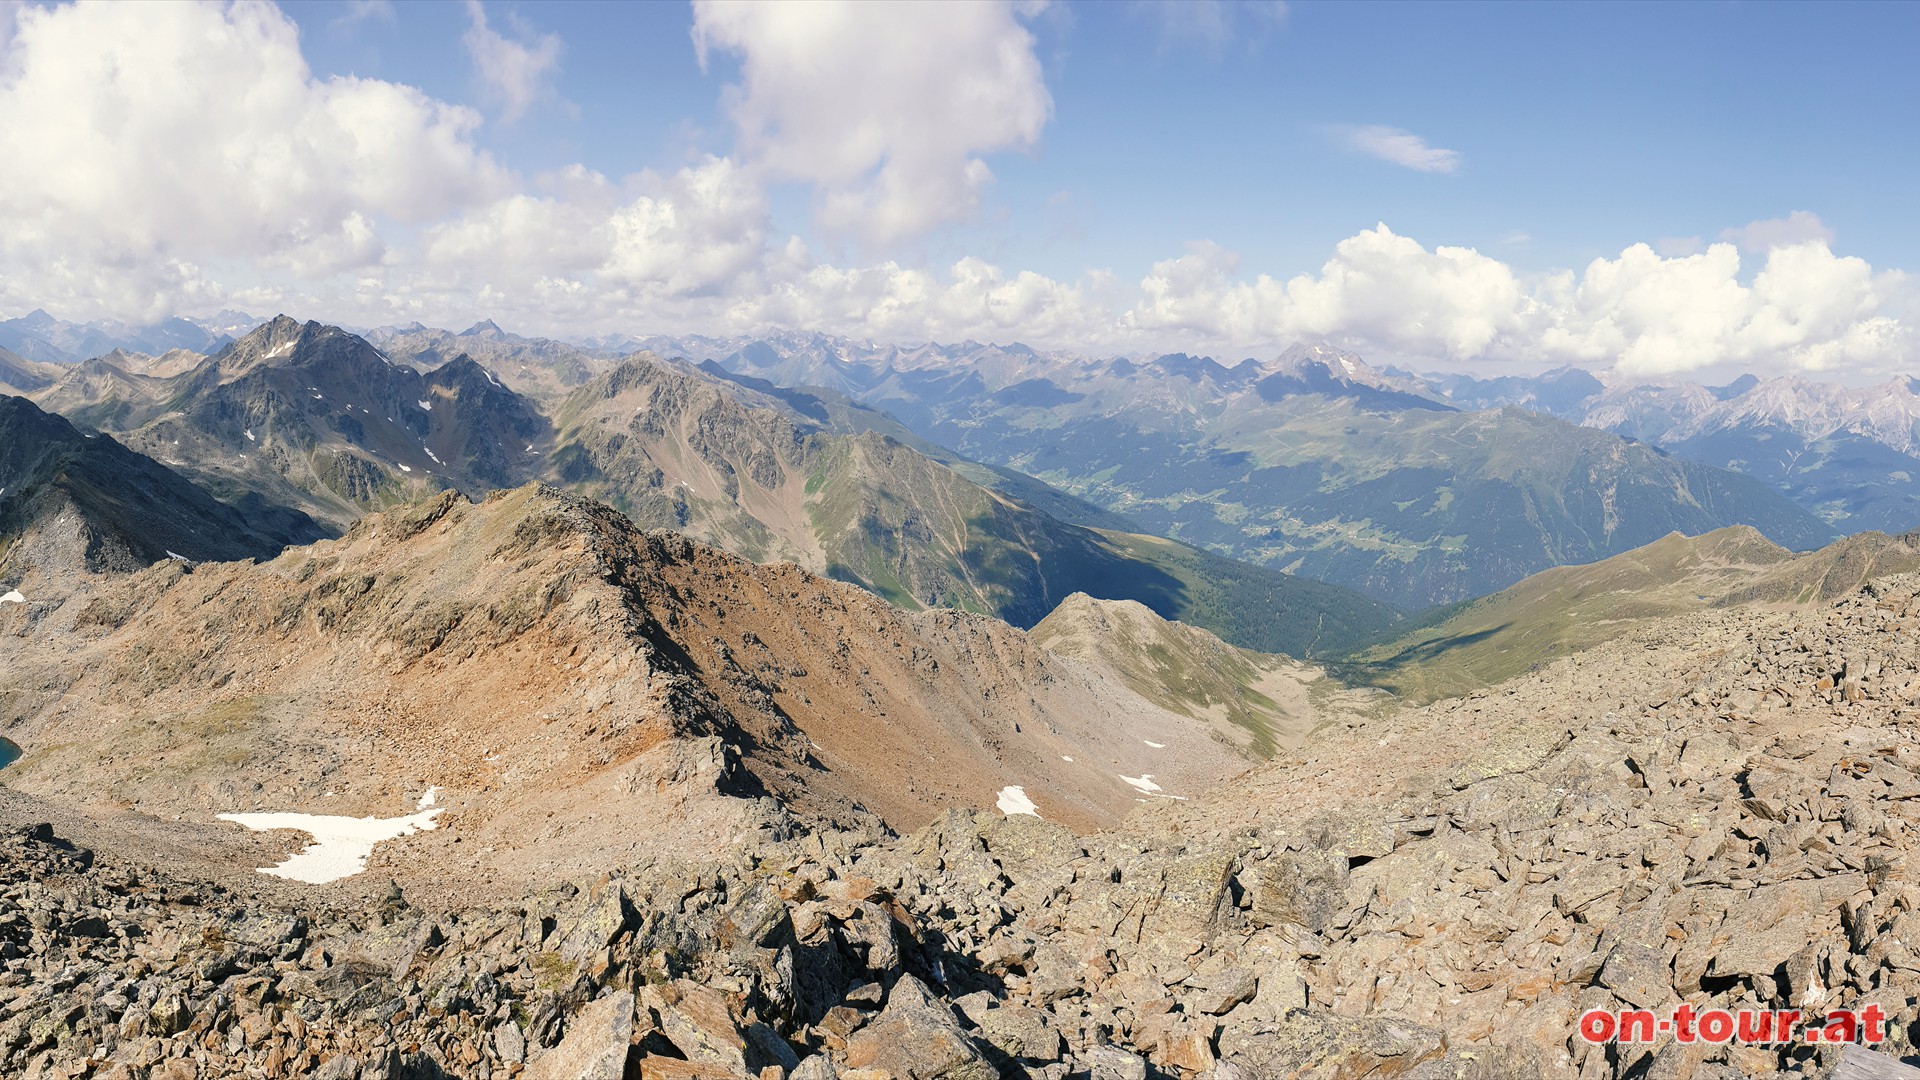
[(1207, 176), (1582, 128)]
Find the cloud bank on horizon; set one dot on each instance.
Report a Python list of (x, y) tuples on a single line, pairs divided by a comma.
[(141, 185)]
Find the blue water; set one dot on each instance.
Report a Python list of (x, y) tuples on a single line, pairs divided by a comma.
[(9, 753)]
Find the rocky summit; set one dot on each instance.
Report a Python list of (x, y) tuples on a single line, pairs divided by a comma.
[(1715, 809)]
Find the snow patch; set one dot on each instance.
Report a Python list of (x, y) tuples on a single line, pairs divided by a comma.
[(280, 351), (431, 796), (1064, 757), (1142, 783), (13, 597), (249, 434), (406, 468), (427, 405), (177, 556), (1155, 745), (436, 460), (1013, 800), (341, 845)]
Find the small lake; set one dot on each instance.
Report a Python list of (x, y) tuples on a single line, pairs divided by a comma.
[(9, 752)]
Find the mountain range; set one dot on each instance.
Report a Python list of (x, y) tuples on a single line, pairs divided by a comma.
[(1415, 490), (321, 421), (369, 715), (1313, 462), (39, 336), (1850, 454)]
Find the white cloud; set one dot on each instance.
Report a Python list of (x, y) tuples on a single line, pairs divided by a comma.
[(1379, 289), (9, 12), (1799, 227), (1214, 24), (1397, 147), (885, 108), (356, 12), (132, 160), (141, 185), (694, 232), (1805, 309), (517, 73)]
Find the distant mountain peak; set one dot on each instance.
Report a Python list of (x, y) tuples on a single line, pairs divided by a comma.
[(483, 328), (1322, 369)]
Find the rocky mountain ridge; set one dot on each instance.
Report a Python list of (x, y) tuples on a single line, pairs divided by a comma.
[(550, 671)]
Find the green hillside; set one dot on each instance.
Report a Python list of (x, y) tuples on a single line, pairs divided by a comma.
[(1457, 649)]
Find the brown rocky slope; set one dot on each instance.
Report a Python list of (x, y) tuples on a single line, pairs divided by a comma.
[(551, 669)]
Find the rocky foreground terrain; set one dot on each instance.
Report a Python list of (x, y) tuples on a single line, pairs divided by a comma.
[(1718, 809)]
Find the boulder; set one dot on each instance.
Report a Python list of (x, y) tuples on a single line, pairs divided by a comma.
[(916, 1038), (595, 1046), (1300, 888)]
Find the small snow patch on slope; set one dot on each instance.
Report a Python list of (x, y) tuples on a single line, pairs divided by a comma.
[(13, 597), (1143, 782), (427, 405), (1155, 745), (1013, 800), (341, 845)]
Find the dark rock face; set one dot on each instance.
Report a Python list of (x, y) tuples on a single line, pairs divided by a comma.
[(93, 505)]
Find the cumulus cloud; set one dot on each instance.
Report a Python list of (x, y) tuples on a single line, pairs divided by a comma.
[(1379, 288), (141, 185), (1799, 227), (516, 71), (132, 160), (885, 108), (1397, 147), (1804, 309)]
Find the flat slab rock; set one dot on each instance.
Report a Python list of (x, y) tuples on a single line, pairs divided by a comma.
[(1858, 1063)]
